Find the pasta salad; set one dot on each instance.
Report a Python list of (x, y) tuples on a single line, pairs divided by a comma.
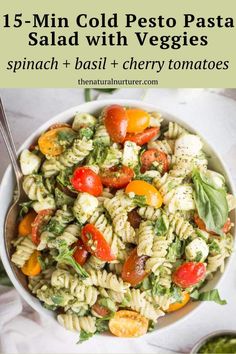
[(124, 221)]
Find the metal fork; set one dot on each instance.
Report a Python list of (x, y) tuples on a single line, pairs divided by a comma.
[(10, 225)]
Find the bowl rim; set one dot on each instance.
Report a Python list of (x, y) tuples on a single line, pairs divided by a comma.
[(68, 114), (211, 335)]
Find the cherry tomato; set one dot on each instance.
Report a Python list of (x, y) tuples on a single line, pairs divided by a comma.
[(201, 225), (117, 177), (134, 218), (178, 305), (80, 253), (138, 120), (100, 310), (32, 267), (133, 270), (25, 225), (95, 243), (144, 137), (128, 324), (86, 180), (153, 196), (152, 155), (189, 274), (41, 219), (49, 143), (116, 122)]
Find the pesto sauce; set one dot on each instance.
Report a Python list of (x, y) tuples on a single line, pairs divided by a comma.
[(221, 344)]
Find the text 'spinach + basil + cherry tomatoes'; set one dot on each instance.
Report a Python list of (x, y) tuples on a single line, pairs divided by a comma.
[(133, 270), (143, 137), (96, 244), (41, 219), (86, 180), (152, 195), (116, 177), (116, 122), (153, 155), (80, 253), (138, 120), (201, 225), (189, 274)]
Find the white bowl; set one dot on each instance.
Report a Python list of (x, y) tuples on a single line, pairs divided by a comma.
[(8, 184)]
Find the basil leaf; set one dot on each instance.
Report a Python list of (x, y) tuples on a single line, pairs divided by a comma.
[(211, 202), (161, 226), (108, 303), (212, 295)]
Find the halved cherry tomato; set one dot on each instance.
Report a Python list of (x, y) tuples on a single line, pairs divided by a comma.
[(128, 324), (41, 219), (154, 155), (100, 310), (32, 266), (96, 244), (133, 270), (117, 177), (144, 137), (80, 253), (138, 120), (49, 143), (59, 125), (86, 180), (116, 122), (134, 218), (153, 196), (25, 225), (189, 274), (201, 225), (178, 305)]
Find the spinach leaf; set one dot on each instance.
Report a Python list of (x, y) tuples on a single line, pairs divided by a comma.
[(161, 226), (108, 303), (211, 202), (212, 295), (175, 250), (25, 207), (84, 336)]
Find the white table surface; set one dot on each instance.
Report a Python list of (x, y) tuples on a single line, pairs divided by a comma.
[(213, 113)]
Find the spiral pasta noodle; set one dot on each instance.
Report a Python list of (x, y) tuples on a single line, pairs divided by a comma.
[(106, 280), (145, 239), (149, 213), (73, 322), (174, 130), (34, 187), (24, 249)]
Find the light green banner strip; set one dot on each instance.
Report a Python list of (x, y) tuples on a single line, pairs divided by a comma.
[(129, 43)]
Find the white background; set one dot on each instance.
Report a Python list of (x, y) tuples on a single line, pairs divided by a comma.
[(213, 113)]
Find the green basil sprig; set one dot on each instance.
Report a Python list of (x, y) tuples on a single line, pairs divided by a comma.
[(210, 201)]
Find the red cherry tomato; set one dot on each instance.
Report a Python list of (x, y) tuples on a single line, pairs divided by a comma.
[(189, 274), (138, 120), (86, 180), (201, 225), (100, 310), (116, 122), (95, 243), (41, 219), (80, 253), (144, 137), (117, 177), (133, 270), (152, 155), (134, 218)]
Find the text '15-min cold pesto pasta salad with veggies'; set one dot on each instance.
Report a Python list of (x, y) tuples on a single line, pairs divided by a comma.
[(124, 221)]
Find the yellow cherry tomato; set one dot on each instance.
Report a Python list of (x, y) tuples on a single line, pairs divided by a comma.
[(128, 324), (178, 305), (32, 266), (138, 120), (49, 143), (25, 225), (153, 196)]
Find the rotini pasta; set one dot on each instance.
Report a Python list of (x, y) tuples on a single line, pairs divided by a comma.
[(120, 221)]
